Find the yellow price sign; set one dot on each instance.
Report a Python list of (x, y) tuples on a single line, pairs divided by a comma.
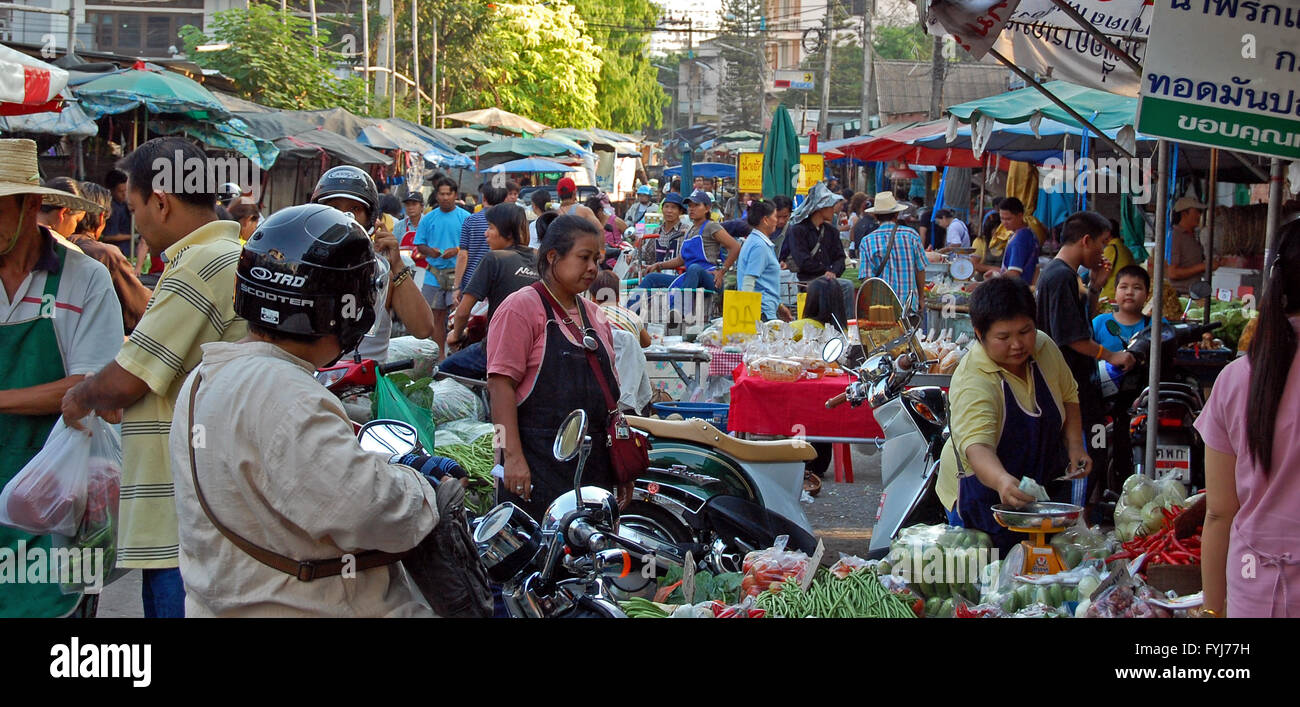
[(812, 169), (803, 296), (741, 312), (749, 173)]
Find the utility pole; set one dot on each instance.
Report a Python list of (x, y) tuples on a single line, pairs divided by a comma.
[(365, 44), (868, 67), (691, 76), (72, 26), (824, 114), (315, 31), (415, 57), (433, 78), (392, 64), (937, 66)]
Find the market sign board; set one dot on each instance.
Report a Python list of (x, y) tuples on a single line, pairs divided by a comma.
[(741, 312), (1199, 88), (812, 169), (749, 173), (790, 78)]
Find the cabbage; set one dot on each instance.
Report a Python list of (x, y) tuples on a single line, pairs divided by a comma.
[(1132, 482), (1170, 485), (1141, 493), (1152, 517)]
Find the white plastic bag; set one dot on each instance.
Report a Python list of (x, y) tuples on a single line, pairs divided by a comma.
[(50, 494)]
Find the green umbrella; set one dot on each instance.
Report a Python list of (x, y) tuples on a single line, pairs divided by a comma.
[(528, 147), (780, 155), (158, 91)]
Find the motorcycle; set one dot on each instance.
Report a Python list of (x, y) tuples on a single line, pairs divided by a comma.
[(915, 420), (1180, 450), (566, 566)]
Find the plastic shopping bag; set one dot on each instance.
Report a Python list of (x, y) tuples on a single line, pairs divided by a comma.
[(53, 492), (89, 557), (392, 404)]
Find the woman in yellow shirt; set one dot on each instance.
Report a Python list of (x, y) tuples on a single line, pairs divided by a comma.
[(1015, 413)]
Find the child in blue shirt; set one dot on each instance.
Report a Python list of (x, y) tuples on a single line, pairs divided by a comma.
[(1132, 288)]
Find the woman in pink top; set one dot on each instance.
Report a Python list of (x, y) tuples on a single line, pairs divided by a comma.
[(1251, 545), (540, 349)]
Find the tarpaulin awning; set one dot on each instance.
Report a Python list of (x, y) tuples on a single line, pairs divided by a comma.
[(71, 122), (225, 135), (310, 143), (532, 164), (530, 147), (899, 145), (157, 91), (715, 170), (1107, 111), (28, 85), (1019, 142)]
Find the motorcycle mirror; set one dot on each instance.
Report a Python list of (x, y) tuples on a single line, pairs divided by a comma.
[(568, 440), (388, 437), (833, 350), (1200, 290), (1112, 326)]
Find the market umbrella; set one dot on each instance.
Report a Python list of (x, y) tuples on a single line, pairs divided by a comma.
[(497, 118), (531, 164), (157, 91), (687, 171), (780, 155), (714, 170), (28, 85)]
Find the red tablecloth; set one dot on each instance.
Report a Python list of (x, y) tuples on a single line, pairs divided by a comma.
[(771, 408)]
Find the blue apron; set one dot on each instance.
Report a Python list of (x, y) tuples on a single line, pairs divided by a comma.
[(1031, 445)]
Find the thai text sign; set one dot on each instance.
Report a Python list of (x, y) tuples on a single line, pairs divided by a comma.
[(1224, 73), (749, 173), (812, 169)]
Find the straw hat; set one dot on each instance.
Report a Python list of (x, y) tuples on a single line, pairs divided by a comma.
[(19, 175), (886, 204)]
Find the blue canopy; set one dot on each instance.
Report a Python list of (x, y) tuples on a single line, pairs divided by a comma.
[(531, 164), (705, 169)]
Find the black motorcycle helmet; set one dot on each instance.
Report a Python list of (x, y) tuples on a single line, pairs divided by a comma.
[(351, 183), (310, 271)]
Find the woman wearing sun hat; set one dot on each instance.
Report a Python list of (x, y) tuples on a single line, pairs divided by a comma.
[(59, 321)]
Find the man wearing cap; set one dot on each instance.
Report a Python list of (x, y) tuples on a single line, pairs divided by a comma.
[(640, 208), (192, 305), (567, 190), (59, 321), (1187, 265), (701, 248), (893, 252)]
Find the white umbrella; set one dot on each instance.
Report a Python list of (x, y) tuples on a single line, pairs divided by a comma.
[(497, 118), (27, 85)]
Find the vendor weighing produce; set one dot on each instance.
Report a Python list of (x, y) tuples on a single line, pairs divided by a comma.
[(1015, 415)]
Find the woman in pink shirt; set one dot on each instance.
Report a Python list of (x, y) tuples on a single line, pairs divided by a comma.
[(539, 368), (1251, 545)]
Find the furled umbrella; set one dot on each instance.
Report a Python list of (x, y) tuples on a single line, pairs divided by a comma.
[(780, 155)]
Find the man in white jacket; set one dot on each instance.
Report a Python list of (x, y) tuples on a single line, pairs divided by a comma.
[(290, 517)]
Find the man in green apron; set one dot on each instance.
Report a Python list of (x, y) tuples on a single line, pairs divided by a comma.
[(59, 319)]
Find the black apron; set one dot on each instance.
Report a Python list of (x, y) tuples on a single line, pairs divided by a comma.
[(565, 382)]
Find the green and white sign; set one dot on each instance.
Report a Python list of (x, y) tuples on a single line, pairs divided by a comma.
[(1224, 73)]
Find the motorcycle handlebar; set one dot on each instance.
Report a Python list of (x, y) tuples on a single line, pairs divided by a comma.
[(837, 401), (402, 365)]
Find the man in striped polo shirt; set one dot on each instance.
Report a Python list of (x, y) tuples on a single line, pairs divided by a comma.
[(193, 304)]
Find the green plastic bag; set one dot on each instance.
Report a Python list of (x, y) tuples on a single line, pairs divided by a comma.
[(392, 404)]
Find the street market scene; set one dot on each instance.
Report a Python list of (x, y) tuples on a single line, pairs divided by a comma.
[(778, 309)]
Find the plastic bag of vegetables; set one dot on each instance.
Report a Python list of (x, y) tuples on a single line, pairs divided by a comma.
[(764, 569), (940, 560), (1079, 543), (453, 401), (1126, 597), (1138, 511)]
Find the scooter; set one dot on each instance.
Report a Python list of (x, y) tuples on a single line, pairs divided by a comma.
[(915, 421), (1179, 448)]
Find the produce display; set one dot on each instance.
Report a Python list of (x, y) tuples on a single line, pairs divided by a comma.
[(939, 560), (477, 459), (1232, 315), (859, 595), (764, 569), (1141, 508), (1126, 598), (941, 347), (1079, 544), (724, 587), (1164, 547)]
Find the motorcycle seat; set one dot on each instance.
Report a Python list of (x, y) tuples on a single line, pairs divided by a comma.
[(703, 433)]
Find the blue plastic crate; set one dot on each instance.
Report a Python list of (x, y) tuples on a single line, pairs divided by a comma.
[(715, 413)]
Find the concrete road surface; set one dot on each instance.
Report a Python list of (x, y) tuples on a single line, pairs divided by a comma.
[(842, 515)]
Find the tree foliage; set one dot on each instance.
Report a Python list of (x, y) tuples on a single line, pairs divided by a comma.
[(271, 60), (628, 95), (741, 94)]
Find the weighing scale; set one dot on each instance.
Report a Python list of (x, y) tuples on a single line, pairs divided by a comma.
[(1039, 520)]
